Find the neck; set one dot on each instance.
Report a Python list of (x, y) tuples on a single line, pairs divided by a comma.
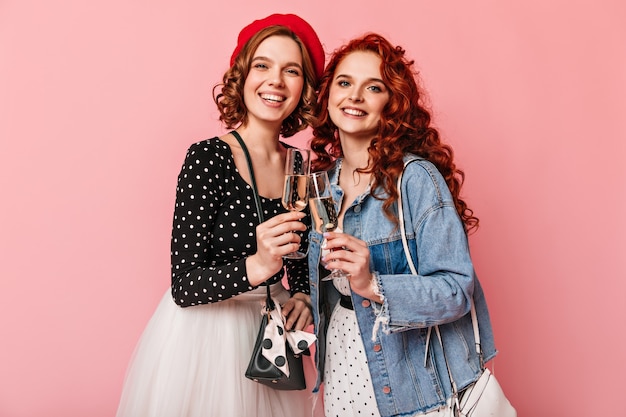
[(355, 155), (349, 176), (261, 139)]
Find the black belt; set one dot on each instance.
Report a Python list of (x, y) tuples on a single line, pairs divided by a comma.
[(346, 302)]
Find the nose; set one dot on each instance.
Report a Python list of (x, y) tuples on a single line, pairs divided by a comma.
[(356, 95), (276, 78)]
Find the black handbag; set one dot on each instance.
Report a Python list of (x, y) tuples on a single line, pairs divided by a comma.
[(260, 369), (265, 372)]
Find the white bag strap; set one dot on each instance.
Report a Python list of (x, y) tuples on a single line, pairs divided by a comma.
[(401, 220)]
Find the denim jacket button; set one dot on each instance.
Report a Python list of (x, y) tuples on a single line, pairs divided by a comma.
[(357, 209), (365, 303), (377, 348), (386, 390)]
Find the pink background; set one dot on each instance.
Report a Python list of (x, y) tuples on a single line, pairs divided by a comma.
[(99, 101)]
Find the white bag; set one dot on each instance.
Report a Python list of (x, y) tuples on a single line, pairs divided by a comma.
[(485, 398)]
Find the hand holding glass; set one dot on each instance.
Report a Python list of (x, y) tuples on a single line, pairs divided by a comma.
[(323, 212), (296, 190)]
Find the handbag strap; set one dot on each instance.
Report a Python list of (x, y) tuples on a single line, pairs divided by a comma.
[(257, 199), (255, 192)]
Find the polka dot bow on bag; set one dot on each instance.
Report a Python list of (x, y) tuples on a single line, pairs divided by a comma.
[(277, 355), (275, 336)]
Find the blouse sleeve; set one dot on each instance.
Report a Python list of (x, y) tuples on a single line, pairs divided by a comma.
[(196, 279)]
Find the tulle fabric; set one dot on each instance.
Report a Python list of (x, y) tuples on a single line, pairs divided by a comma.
[(190, 362)]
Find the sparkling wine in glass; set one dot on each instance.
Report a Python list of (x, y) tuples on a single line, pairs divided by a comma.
[(296, 189), (323, 211)]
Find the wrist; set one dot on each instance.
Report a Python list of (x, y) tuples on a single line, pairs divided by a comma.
[(305, 298), (257, 271)]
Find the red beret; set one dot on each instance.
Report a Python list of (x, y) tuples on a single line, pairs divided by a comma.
[(299, 26)]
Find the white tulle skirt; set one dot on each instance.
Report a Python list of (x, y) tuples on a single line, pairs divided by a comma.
[(190, 362)]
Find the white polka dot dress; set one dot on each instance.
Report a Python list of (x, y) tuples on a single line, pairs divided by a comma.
[(348, 389), (190, 362)]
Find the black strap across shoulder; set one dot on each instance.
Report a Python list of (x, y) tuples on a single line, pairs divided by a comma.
[(257, 199)]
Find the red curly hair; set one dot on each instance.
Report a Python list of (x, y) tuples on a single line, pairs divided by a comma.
[(405, 127)]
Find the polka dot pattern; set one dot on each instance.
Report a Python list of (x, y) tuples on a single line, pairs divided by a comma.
[(348, 389), (214, 228)]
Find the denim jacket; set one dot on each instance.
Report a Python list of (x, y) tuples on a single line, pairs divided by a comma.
[(408, 373)]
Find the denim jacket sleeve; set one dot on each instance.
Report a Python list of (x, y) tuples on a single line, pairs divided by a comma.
[(442, 290)]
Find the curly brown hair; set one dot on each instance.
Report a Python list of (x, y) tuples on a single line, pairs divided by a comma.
[(230, 101), (405, 127)]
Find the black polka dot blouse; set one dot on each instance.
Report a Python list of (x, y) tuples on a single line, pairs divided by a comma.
[(214, 229)]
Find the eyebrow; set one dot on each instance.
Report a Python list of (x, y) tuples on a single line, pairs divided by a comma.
[(263, 58), (351, 77)]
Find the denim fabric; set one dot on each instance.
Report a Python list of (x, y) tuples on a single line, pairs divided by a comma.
[(406, 379)]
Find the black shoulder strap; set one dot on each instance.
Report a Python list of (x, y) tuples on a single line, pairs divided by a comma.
[(257, 199)]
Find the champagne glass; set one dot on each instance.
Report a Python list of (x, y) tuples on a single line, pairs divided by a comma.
[(296, 190), (323, 211)]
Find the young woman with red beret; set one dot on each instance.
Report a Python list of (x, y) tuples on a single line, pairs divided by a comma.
[(191, 358)]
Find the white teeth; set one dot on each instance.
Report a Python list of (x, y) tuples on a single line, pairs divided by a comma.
[(354, 112), (272, 97)]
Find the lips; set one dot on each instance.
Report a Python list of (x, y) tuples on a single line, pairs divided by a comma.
[(273, 97)]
